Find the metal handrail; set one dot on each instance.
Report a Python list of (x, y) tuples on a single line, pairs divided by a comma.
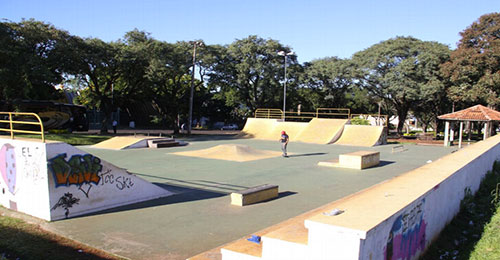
[(12, 122), (339, 112), (334, 109), (268, 113)]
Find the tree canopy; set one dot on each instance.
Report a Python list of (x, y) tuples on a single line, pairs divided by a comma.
[(401, 75), (474, 67), (402, 71)]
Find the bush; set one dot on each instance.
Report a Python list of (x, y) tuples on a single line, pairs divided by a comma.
[(359, 121)]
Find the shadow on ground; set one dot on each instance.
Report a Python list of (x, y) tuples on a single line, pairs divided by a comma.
[(181, 194)]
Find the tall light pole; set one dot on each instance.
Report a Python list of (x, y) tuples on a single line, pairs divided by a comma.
[(194, 43), (282, 53)]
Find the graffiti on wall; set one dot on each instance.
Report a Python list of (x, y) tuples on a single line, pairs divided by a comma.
[(33, 156), (85, 171), (8, 166), (407, 235), (66, 202), (120, 182), (80, 170)]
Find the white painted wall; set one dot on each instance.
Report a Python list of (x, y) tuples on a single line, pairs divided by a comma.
[(423, 220), (56, 180), (23, 181)]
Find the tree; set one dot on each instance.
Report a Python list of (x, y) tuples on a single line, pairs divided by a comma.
[(33, 59), (248, 74), (326, 83), (98, 66), (474, 67), (132, 87), (403, 72), (168, 72)]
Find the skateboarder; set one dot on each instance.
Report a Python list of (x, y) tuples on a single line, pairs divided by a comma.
[(284, 142)]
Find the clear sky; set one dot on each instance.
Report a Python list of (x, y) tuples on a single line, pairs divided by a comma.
[(312, 28)]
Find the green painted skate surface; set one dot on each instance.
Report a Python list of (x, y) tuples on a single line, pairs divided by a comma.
[(200, 217)]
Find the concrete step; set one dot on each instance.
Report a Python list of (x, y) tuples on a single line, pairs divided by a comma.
[(162, 142)]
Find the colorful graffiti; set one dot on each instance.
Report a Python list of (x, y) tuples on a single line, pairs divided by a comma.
[(78, 170), (8, 166), (407, 235), (67, 201)]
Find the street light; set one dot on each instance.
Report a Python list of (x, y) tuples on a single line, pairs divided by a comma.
[(282, 53), (194, 43)]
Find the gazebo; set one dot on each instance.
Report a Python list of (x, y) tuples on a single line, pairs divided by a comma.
[(477, 113)]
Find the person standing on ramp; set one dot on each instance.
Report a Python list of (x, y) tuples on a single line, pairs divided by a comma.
[(284, 142)]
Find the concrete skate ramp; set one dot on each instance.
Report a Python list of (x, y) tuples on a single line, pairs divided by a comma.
[(322, 131), (293, 130), (259, 128), (318, 130), (123, 142), (361, 135), (231, 152), (55, 180)]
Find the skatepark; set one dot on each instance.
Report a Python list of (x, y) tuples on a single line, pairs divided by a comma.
[(187, 213)]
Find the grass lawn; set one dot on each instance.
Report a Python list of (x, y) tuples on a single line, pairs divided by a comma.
[(475, 232), (73, 139), (20, 240)]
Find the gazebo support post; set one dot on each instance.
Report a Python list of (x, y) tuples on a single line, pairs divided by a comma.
[(460, 135), (469, 123), (452, 132), (446, 133)]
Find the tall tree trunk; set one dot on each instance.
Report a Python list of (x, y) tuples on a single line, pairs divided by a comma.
[(402, 113)]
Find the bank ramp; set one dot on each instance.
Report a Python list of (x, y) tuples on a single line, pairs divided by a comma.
[(67, 181), (125, 142)]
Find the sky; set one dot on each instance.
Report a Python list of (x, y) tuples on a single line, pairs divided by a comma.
[(313, 29)]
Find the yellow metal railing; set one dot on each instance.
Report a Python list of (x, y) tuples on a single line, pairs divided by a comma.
[(333, 112), (379, 119), (7, 117), (273, 113)]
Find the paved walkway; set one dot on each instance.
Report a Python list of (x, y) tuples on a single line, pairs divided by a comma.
[(200, 216)]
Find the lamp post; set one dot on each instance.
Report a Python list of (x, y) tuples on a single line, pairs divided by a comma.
[(194, 43), (282, 53)]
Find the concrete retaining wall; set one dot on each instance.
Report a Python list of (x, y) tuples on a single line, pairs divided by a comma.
[(429, 196)]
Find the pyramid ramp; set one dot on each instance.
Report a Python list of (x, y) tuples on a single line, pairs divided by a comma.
[(123, 142), (231, 152), (55, 180), (322, 131), (362, 135)]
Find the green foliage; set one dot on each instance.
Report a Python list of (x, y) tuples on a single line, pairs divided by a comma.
[(33, 57), (474, 68), (327, 81), (359, 121), (473, 233), (402, 71), (249, 71)]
